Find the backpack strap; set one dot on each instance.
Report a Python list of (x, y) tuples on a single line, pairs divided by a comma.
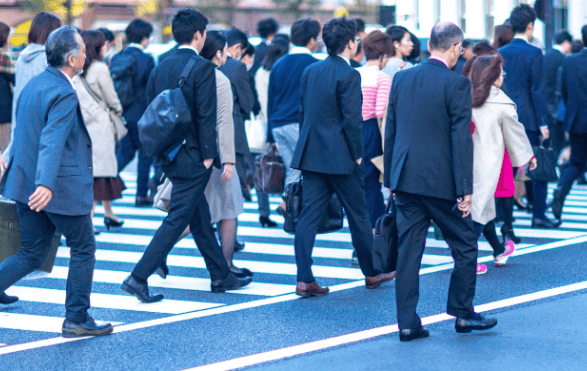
[(187, 70)]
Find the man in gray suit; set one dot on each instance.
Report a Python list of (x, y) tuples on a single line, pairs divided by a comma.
[(49, 175)]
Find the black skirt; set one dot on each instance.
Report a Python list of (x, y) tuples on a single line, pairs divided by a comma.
[(108, 189)]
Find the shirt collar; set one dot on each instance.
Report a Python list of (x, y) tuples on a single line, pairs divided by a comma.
[(68, 79), (299, 50), (348, 61), (440, 60), (189, 47), (559, 48), (135, 45), (522, 38)]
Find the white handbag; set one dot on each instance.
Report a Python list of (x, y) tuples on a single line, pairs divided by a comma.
[(256, 134), (161, 199)]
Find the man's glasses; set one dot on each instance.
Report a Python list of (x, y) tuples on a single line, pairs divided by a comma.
[(358, 39), (461, 48)]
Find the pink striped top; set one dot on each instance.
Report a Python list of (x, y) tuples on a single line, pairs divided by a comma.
[(375, 86)]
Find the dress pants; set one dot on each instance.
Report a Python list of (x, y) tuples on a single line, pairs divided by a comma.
[(414, 213), (187, 206), (241, 170), (126, 150), (37, 231), (577, 163), (286, 137), (262, 197), (539, 187), (316, 194), (372, 148)]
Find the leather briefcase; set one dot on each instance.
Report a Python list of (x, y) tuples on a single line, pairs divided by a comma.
[(385, 241), (332, 219), (269, 172), (10, 235), (546, 159)]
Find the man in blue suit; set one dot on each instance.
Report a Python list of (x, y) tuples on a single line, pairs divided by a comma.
[(49, 175), (526, 82)]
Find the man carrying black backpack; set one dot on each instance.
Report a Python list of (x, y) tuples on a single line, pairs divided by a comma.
[(130, 71)]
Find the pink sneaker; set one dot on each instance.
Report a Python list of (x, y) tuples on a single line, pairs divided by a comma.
[(500, 260), (481, 269)]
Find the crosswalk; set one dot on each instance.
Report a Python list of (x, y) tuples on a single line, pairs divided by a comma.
[(268, 253)]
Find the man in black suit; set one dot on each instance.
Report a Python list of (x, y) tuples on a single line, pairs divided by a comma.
[(267, 29), (189, 170), (574, 80), (49, 175), (429, 165), (525, 81), (553, 60), (329, 154), (244, 100)]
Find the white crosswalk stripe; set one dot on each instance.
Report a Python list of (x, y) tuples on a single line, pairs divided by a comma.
[(269, 253)]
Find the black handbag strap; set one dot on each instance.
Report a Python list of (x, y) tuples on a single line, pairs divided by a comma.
[(187, 70)]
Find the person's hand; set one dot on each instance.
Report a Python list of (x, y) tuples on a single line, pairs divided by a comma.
[(545, 133), (208, 162), (40, 198), (533, 164), (2, 166), (227, 173), (465, 205), (359, 161)]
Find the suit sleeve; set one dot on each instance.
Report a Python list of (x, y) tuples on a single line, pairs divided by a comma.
[(515, 138), (302, 90), (61, 118), (108, 91), (225, 122), (389, 142), (538, 89), (462, 142), (351, 101), (270, 105), (563, 82), (205, 106), (242, 83), (151, 88)]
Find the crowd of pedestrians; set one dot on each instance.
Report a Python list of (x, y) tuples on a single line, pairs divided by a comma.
[(450, 139)]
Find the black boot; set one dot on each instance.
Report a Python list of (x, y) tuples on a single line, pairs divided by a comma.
[(558, 203), (6, 299)]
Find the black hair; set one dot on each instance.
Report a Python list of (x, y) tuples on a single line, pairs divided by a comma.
[(397, 33), (576, 46), (235, 36), (267, 27), (94, 41), (444, 35), (278, 48), (137, 30), (304, 30), (109, 35), (283, 37), (250, 50), (4, 32), (186, 23), (521, 17), (60, 44), (360, 25), (215, 42), (414, 56), (562, 36), (584, 34), (466, 43), (43, 24), (337, 33)]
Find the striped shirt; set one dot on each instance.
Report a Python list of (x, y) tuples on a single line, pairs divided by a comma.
[(375, 86)]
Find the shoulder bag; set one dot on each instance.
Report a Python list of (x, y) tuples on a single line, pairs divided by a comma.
[(269, 172), (385, 241), (118, 122), (546, 159), (256, 134)]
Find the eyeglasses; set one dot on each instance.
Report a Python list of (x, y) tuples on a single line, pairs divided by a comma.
[(503, 73), (461, 48), (358, 39)]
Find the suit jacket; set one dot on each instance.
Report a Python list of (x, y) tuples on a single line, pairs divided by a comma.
[(144, 66), (51, 147), (428, 146), (168, 53), (458, 68), (331, 121), (526, 82), (574, 92), (553, 60), (244, 100), (200, 93)]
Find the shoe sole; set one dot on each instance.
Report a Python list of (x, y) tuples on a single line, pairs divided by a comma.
[(471, 329), (77, 333), (309, 294), (131, 291), (220, 290), (404, 339)]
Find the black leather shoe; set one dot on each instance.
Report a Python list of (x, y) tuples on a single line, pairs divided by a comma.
[(545, 223), (239, 246), (510, 236), (478, 322), (140, 290), (247, 195), (231, 282), (243, 273), (163, 270), (7, 299), (266, 222), (72, 329), (413, 334), (557, 204), (143, 201)]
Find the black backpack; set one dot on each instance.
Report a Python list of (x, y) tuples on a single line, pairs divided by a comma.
[(167, 120), (122, 69)]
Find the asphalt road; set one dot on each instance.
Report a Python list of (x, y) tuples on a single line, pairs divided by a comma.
[(538, 298)]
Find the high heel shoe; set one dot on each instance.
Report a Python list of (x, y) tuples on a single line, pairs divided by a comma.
[(510, 236), (244, 272), (266, 222), (111, 223)]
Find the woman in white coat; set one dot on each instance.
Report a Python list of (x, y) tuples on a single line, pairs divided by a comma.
[(496, 129), (97, 97)]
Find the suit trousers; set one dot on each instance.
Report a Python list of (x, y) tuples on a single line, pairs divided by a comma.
[(372, 148), (126, 150), (577, 163), (187, 206), (262, 197), (286, 137), (316, 194), (37, 231), (539, 187), (414, 213)]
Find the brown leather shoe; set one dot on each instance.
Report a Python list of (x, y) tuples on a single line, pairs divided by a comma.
[(307, 290), (375, 282)]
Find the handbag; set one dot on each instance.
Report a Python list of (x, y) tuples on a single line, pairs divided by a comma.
[(546, 159), (269, 172), (332, 219), (256, 134), (163, 195), (118, 122), (385, 241)]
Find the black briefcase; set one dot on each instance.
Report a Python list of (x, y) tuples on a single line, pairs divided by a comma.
[(332, 219), (10, 235), (546, 159), (385, 241)]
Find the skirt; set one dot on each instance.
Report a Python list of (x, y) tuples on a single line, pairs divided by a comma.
[(108, 189), (224, 198)]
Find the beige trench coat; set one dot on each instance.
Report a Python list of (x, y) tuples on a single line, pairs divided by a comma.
[(97, 118), (496, 128)]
